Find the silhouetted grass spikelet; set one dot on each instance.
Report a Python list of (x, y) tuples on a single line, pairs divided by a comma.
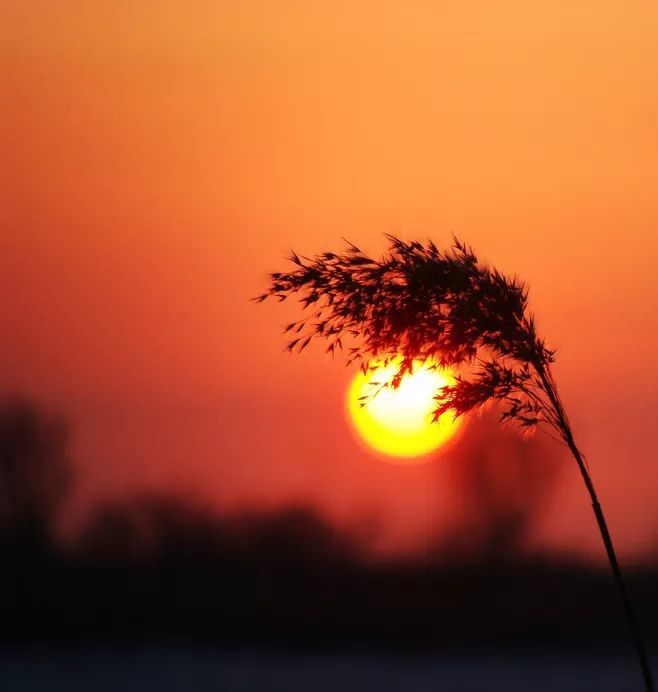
[(419, 302)]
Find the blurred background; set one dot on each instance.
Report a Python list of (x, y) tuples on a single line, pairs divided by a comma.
[(179, 500)]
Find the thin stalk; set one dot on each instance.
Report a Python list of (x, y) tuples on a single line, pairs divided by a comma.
[(565, 430), (616, 570)]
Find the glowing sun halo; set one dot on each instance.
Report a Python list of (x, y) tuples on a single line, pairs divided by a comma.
[(398, 422)]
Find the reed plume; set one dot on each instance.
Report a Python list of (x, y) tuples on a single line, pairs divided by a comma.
[(419, 302)]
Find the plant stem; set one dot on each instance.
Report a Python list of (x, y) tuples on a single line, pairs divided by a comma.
[(616, 570), (565, 430)]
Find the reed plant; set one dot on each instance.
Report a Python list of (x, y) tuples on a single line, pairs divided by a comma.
[(445, 307)]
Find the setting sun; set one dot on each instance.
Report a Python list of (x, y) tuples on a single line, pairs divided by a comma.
[(398, 422)]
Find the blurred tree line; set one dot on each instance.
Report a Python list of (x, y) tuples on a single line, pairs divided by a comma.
[(163, 566)]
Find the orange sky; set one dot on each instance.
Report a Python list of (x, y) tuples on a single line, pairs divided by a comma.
[(156, 159)]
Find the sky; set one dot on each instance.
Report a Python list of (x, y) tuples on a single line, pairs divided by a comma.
[(157, 159)]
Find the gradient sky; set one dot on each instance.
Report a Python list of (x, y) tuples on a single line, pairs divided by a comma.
[(158, 158)]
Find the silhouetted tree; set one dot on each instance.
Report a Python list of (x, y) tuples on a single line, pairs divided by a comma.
[(166, 529), (501, 482), (35, 476), (153, 528), (421, 302), (291, 535)]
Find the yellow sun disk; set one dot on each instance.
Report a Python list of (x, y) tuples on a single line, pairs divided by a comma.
[(398, 422)]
